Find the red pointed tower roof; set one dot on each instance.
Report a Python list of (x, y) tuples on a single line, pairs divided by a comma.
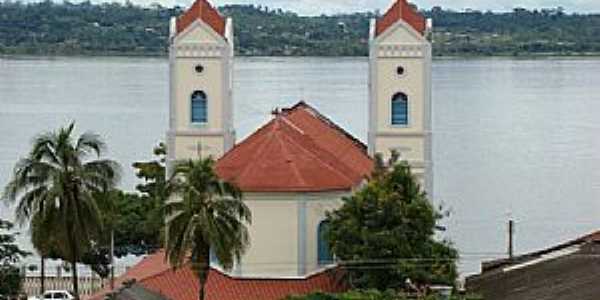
[(202, 10), (401, 10), (298, 151)]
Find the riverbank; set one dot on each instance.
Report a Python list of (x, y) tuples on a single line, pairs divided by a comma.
[(549, 55)]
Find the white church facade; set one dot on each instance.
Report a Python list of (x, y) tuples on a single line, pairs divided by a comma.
[(300, 164)]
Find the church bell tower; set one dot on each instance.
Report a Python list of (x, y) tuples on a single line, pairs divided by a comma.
[(200, 65), (400, 89)]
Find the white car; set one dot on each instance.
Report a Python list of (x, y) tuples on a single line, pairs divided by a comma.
[(56, 294)]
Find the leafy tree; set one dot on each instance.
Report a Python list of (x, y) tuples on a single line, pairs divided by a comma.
[(113, 28), (10, 254), (132, 214), (154, 193), (210, 216), (56, 182), (384, 233)]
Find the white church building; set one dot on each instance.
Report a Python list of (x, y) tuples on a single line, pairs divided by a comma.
[(300, 164)]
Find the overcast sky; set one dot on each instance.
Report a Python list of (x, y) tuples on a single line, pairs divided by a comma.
[(312, 7)]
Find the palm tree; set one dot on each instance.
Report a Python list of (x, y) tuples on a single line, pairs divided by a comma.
[(209, 215), (56, 183), (41, 238)]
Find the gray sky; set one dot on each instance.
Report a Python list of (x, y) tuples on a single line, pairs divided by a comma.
[(312, 7)]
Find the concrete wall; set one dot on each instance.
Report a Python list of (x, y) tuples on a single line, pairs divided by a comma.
[(87, 285), (284, 233)]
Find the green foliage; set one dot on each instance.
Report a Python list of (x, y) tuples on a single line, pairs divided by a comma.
[(10, 254), (371, 295), (137, 228), (384, 234), (56, 185), (351, 295), (154, 194), (50, 28), (210, 216)]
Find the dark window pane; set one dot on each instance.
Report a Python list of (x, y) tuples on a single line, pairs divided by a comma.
[(400, 109), (324, 252), (199, 109)]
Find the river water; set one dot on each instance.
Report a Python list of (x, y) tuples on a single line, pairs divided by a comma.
[(512, 138)]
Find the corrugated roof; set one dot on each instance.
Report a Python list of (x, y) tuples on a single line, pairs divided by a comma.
[(401, 10), (573, 276), (299, 150), (202, 10), (494, 265)]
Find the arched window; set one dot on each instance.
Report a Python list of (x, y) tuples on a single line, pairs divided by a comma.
[(324, 252), (400, 109), (199, 111)]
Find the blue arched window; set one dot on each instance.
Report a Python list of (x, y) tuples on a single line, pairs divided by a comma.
[(324, 252), (400, 109), (199, 111)]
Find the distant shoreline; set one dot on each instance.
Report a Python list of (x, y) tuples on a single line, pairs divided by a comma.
[(440, 57)]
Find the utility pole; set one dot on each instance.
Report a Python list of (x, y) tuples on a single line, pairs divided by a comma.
[(112, 260), (511, 233)]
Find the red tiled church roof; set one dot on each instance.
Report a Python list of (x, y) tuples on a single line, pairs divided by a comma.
[(401, 10), (182, 284), (202, 10), (298, 151), (155, 274), (147, 267)]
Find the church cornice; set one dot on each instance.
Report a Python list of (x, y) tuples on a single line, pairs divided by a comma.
[(199, 50), (405, 50)]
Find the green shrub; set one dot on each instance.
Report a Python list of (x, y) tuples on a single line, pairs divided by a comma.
[(371, 295)]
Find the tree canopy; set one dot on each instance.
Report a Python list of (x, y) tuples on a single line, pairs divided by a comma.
[(10, 255), (384, 234), (66, 28), (57, 183)]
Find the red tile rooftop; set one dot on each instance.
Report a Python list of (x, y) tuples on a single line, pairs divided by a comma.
[(182, 284), (148, 266), (401, 10), (154, 274), (202, 10), (298, 151)]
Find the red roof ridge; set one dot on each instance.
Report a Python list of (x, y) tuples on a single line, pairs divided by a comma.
[(202, 10), (277, 124), (310, 151), (289, 122), (311, 109), (401, 10), (299, 150), (257, 154), (287, 155)]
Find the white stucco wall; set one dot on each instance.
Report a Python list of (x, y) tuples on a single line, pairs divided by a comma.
[(284, 233)]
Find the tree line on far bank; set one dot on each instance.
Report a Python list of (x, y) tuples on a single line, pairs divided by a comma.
[(48, 28), (65, 191)]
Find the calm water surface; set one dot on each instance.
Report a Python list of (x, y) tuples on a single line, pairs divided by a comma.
[(512, 138)]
